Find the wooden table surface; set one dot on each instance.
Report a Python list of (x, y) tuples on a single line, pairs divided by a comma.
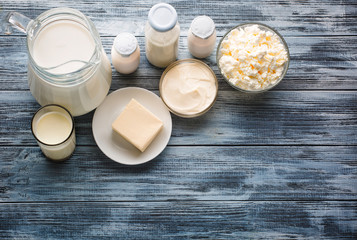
[(277, 165)]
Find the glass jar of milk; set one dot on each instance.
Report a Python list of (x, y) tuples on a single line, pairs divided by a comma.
[(67, 64), (162, 33)]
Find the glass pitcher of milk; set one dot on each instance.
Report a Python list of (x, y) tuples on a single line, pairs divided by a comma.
[(67, 64)]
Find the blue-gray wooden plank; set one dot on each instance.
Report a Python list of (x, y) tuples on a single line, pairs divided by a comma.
[(271, 118), (180, 173), (291, 18), (180, 220)]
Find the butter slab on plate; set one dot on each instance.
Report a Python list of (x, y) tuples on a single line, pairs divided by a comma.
[(116, 147), (137, 125)]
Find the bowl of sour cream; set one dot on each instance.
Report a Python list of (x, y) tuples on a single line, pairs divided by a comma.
[(188, 88), (253, 57)]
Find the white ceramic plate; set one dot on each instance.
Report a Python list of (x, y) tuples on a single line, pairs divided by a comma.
[(116, 147)]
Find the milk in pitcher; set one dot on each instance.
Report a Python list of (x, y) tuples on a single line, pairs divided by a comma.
[(67, 63)]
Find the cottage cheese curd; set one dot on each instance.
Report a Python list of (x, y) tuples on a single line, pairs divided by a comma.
[(251, 58)]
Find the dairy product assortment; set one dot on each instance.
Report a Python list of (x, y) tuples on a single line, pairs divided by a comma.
[(68, 66), (252, 58)]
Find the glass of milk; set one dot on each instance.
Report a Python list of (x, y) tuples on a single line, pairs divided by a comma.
[(53, 128), (67, 64)]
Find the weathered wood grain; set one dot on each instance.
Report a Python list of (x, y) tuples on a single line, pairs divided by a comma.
[(291, 18), (271, 118), (179, 220), (316, 63), (183, 173)]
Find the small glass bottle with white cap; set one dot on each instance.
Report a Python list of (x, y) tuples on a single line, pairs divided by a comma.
[(125, 53), (201, 38), (162, 32)]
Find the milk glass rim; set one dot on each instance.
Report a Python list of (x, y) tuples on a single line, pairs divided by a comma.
[(70, 77), (181, 62), (282, 40), (46, 106)]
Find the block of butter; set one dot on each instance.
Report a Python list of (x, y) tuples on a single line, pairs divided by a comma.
[(137, 125)]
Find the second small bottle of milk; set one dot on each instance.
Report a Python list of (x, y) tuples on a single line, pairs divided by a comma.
[(162, 33)]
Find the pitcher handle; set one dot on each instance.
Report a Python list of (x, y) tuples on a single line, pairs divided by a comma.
[(18, 21)]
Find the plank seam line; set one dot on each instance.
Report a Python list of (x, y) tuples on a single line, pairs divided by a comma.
[(285, 36), (212, 145), (188, 200), (229, 90), (220, 36)]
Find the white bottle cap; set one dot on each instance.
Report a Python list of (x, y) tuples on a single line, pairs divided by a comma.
[(162, 17), (125, 43), (202, 26)]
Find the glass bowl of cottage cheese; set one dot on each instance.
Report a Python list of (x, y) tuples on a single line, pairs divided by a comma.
[(253, 57)]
